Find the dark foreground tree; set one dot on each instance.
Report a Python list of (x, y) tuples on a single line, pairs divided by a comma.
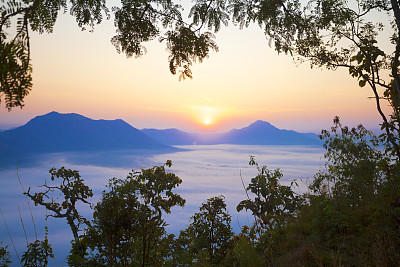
[(38, 253), (4, 255), (72, 189), (350, 216), (208, 237), (136, 22), (127, 227), (272, 205), (337, 34)]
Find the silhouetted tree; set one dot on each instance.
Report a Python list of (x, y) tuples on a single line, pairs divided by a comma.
[(4, 255), (38, 253), (128, 228), (208, 237), (136, 22), (72, 189)]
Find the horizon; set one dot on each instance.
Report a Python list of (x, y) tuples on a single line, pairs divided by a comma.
[(207, 126)]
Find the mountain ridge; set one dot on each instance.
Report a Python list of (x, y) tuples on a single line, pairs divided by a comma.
[(257, 133), (56, 132)]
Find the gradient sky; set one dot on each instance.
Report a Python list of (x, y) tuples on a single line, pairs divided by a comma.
[(77, 71)]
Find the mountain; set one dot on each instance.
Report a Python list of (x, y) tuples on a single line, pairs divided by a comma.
[(257, 133), (264, 133), (55, 132)]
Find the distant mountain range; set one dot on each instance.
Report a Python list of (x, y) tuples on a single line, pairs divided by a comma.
[(55, 132), (257, 133)]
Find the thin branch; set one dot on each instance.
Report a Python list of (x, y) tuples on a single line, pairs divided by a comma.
[(29, 206), (20, 11), (23, 226), (378, 106), (371, 8), (204, 19), (12, 15), (9, 234)]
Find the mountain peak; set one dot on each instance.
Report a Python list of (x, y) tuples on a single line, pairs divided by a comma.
[(57, 114), (58, 132), (261, 123)]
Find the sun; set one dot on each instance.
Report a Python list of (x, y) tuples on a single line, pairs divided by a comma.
[(207, 121)]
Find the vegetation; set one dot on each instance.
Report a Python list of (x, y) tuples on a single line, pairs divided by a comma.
[(208, 237), (73, 191), (4, 255), (127, 227), (38, 253)]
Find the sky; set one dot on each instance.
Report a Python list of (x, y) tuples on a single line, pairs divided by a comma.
[(80, 72)]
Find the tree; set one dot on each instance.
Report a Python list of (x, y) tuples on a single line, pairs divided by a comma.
[(273, 203), (349, 217), (73, 190), (4, 255), (244, 254), (209, 235), (273, 206), (336, 34), (38, 253), (137, 22), (355, 168), (127, 225)]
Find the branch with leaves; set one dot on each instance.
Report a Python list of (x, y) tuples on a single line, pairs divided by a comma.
[(73, 190)]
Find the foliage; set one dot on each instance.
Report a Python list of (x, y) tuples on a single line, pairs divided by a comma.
[(273, 206), (186, 47), (127, 225), (4, 255), (353, 171), (244, 254), (136, 22), (209, 235), (73, 190), (273, 202), (337, 34), (348, 218), (38, 253)]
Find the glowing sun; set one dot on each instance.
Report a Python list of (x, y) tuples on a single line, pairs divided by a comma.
[(207, 121)]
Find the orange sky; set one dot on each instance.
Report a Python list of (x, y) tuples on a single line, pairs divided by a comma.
[(80, 72)]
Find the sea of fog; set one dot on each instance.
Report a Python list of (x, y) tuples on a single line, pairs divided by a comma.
[(206, 171)]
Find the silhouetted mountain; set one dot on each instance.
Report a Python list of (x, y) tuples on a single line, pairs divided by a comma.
[(257, 133), (55, 132), (263, 133)]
